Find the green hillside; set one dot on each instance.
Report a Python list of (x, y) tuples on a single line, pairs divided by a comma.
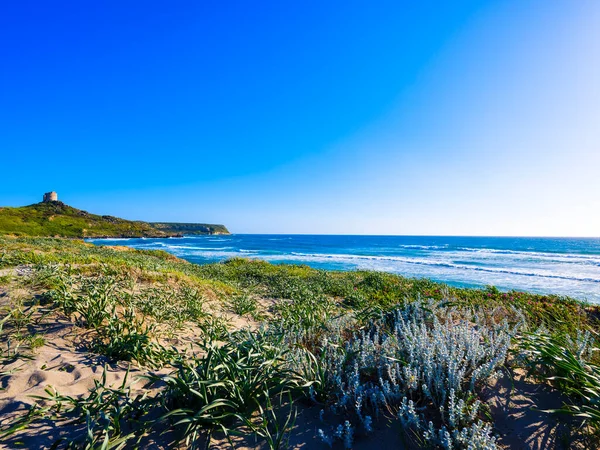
[(58, 219), (190, 228)]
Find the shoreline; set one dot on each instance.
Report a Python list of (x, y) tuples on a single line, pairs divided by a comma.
[(543, 270)]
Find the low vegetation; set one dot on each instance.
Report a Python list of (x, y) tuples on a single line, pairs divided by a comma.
[(189, 228), (571, 366), (229, 354), (60, 220)]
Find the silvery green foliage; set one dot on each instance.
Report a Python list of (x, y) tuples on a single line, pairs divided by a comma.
[(427, 355), (344, 433), (477, 436), (584, 345), (322, 369), (463, 431), (326, 438), (449, 354), (459, 412), (420, 353), (409, 418)]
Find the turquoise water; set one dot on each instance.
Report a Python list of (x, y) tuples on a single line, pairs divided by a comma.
[(565, 266)]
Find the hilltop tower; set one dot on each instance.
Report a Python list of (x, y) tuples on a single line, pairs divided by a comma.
[(50, 197)]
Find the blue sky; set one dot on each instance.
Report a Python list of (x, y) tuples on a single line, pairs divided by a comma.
[(457, 118)]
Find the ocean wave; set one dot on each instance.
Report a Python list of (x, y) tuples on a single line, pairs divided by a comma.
[(424, 247), (437, 263), (569, 258), (202, 248), (167, 246), (547, 256), (214, 254), (524, 252), (100, 240)]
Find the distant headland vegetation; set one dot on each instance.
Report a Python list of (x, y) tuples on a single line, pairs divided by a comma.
[(54, 218)]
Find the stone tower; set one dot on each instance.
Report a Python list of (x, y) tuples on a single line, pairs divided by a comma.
[(50, 197)]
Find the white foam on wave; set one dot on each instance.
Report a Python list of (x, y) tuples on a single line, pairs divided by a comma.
[(226, 252), (100, 240), (440, 263), (202, 248), (424, 247), (569, 258), (543, 255)]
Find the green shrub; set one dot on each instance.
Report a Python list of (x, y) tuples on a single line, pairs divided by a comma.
[(243, 305), (127, 337), (227, 386), (565, 363)]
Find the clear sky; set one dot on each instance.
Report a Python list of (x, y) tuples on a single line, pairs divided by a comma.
[(378, 117)]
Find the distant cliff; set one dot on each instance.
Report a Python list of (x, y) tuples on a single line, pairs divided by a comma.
[(190, 228), (54, 218)]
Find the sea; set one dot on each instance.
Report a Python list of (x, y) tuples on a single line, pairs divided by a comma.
[(563, 266)]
